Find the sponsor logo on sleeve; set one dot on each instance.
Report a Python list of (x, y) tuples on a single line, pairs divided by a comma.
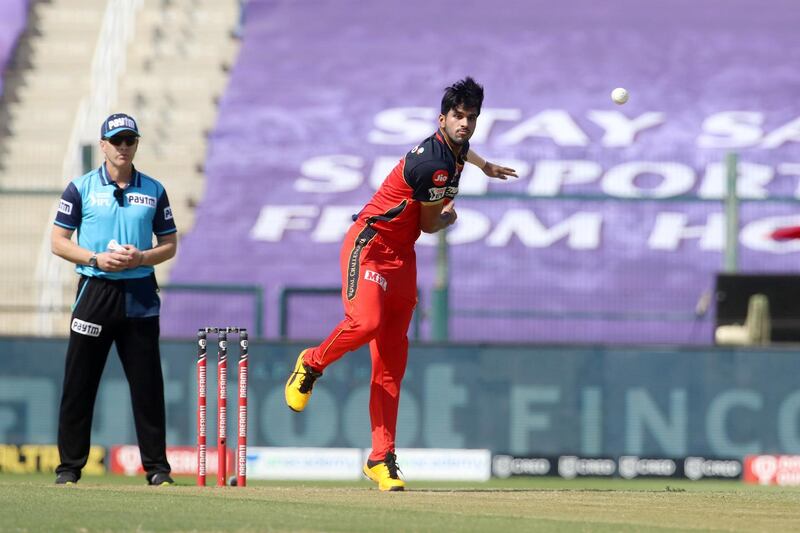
[(65, 207), (370, 275), (136, 198), (86, 328), (440, 177), (168, 213), (437, 193), (418, 150)]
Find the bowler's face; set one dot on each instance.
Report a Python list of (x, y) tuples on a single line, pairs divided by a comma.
[(459, 124)]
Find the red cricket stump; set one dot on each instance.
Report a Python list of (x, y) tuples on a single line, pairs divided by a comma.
[(222, 410), (241, 452), (222, 407), (201, 408)]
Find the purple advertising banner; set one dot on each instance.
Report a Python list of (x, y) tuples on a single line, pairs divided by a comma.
[(614, 230), (13, 14)]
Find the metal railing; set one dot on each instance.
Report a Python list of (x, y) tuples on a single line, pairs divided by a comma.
[(288, 292), (15, 313), (256, 291)]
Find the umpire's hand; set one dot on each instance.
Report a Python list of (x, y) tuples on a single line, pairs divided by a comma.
[(134, 256), (112, 261)]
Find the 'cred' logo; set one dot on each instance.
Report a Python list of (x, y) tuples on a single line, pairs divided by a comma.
[(440, 177)]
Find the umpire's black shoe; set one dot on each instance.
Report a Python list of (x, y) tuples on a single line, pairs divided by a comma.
[(66, 478), (160, 478)]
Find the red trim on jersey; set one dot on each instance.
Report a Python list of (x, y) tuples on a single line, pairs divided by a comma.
[(456, 155), (402, 229), (393, 210), (398, 178), (443, 139)]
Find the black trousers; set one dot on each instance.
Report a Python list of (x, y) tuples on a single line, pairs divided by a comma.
[(99, 318)]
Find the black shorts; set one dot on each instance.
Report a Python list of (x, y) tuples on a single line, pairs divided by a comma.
[(101, 301)]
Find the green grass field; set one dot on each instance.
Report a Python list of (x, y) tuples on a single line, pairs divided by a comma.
[(33, 503)]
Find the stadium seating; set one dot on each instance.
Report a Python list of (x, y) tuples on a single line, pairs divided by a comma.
[(614, 232), (13, 14), (622, 245), (64, 79)]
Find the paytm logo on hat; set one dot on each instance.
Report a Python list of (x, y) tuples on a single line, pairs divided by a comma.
[(121, 121), (117, 123)]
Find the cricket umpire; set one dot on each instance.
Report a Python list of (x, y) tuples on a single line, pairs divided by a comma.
[(116, 210)]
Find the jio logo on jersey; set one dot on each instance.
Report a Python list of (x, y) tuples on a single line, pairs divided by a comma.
[(440, 177)]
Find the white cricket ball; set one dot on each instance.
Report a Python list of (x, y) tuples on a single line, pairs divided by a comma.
[(619, 95)]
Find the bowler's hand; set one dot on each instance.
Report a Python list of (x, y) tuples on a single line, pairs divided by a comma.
[(496, 171), (449, 214)]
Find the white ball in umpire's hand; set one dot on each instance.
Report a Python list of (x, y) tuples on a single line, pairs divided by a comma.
[(619, 96)]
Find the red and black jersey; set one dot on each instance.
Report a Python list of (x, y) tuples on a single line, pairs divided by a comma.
[(429, 173)]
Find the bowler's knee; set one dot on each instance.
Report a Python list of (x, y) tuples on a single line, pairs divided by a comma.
[(365, 328)]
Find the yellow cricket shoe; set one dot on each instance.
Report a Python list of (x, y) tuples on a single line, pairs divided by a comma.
[(385, 473), (299, 385)]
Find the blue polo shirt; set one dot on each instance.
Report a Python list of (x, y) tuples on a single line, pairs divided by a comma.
[(90, 206)]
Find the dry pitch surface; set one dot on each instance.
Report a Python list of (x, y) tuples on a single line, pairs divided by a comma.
[(32, 503)]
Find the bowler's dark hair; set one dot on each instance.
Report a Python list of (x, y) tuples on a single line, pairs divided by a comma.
[(466, 93)]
